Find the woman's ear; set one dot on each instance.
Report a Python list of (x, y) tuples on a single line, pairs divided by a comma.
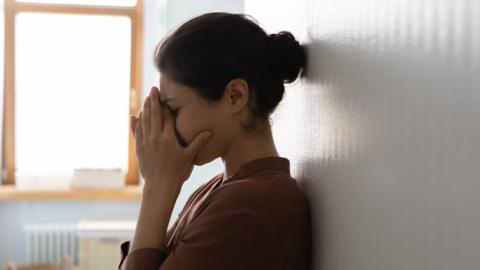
[(237, 94)]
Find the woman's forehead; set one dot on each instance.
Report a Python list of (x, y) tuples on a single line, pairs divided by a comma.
[(165, 89), (171, 90)]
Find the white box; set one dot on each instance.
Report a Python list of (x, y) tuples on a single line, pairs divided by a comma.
[(100, 240), (98, 178)]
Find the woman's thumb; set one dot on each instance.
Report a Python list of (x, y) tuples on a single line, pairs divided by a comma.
[(197, 143)]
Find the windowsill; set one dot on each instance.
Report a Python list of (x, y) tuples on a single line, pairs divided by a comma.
[(132, 193)]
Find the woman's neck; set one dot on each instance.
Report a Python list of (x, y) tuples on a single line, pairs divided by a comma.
[(246, 149)]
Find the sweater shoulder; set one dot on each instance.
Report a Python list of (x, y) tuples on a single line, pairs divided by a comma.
[(270, 190)]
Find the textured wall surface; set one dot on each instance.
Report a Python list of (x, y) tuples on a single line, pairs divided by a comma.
[(384, 133)]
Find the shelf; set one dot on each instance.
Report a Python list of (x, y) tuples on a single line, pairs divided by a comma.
[(132, 193)]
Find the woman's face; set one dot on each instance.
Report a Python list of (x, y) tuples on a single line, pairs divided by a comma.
[(193, 115)]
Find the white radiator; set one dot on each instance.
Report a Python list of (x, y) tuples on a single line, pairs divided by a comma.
[(51, 242)]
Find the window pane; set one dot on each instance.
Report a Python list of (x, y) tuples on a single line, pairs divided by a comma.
[(123, 3), (72, 79)]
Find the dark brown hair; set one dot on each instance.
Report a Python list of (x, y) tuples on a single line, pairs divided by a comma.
[(209, 50)]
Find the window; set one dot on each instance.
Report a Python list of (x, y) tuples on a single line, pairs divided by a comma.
[(72, 78)]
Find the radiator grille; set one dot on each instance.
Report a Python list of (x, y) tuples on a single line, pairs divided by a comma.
[(51, 242)]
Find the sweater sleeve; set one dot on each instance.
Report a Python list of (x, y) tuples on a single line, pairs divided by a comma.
[(153, 255), (141, 259)]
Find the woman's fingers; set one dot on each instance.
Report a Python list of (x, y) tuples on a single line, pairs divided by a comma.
[(133, 122), (156, 110), (146, 116), (167, 122), (138, 130)]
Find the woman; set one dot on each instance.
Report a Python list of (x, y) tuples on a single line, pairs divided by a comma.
[(221, 77)]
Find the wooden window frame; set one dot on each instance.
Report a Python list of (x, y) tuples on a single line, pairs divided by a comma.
[(135, 13)]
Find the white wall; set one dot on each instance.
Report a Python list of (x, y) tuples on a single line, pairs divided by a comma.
[(182, 10), (385, 129), (160, 16)]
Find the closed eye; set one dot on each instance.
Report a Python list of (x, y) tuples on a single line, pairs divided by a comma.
[(174, 112)]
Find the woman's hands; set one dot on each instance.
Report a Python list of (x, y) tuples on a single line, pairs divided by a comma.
[(162, 161), (164, 164)]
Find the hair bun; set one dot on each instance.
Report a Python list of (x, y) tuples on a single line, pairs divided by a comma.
[(287, 56)]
